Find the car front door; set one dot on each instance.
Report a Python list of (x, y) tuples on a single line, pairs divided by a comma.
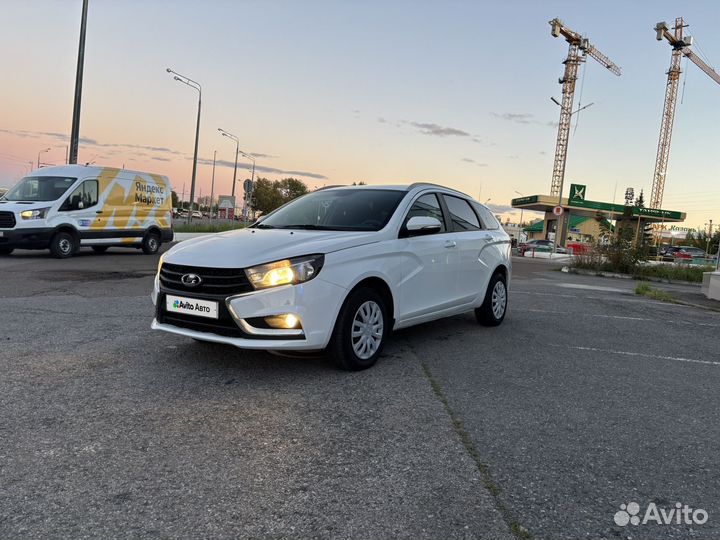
[(429, 264), (82, 210)]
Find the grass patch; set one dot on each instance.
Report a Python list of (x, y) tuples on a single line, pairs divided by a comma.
[(517, 530), (673, 272), (184, 227), (643, 289)]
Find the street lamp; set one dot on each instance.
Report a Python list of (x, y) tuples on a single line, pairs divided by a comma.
[(252, 182), (42, 152), (195, 85), (237, 151)]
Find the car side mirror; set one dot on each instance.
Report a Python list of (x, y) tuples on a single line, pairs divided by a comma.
[(422, 225), (80, 205)]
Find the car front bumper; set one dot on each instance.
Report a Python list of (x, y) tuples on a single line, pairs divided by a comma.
[(315, 303)]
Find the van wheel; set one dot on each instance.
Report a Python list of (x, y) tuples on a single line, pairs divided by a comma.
[(151, 243), (6, 251), (360, 331), (63, 245), (493, 309), (100, 249)]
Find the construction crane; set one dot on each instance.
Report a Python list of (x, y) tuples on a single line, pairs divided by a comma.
[(579, 48), (680, 47)]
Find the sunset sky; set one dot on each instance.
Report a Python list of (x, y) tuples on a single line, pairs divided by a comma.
[(333, 92)]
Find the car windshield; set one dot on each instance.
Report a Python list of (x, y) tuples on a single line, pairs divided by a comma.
[(39, 188), (361, 209)]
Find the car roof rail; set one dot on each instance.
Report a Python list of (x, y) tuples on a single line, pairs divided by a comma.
[(432, 184)]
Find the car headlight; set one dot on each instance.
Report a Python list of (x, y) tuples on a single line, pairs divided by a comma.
[(285, 272), (40, 213)]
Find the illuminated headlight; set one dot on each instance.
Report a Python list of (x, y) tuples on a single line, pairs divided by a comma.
[(286, 272), (40, 213)]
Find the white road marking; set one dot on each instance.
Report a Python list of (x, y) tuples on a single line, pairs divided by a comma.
[(642, 319), (644, 355), (546, 294), (592, 287)]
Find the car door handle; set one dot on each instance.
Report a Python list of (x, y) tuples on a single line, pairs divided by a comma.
[(450, 243), (98, 211)]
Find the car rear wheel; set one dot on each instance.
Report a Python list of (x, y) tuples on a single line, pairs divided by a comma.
[(151, 243), (6, 251), (100, 249), (493, 309), (360, 331), (63, 245)]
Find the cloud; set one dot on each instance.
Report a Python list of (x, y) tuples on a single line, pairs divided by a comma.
[(438, 131), (479, 164), (519, 118), (260, 168), (159, 158)]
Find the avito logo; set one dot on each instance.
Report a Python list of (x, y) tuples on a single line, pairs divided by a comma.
[(681, 514)]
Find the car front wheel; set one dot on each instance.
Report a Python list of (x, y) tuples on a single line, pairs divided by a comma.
[(493, 309), (360, 331), (63, 245)]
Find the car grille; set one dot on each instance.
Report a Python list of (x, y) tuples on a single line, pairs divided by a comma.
[(215, 281), (7, 220)]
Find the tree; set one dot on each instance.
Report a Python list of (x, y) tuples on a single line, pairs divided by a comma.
[(174, 199), (268, 195), (640, 201)]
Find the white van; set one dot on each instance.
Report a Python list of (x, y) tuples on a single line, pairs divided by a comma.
[(64, 208)]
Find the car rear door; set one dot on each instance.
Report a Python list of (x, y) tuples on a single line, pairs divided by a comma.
[(473, 272), (429, 264)]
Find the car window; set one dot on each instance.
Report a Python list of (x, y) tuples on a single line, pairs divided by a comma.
[(427, 206), (462, 215), (86, 193), (487, 217)]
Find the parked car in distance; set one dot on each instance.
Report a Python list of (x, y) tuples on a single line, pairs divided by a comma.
[(197, 214), (667, 253), (688, 253), (337, 270), (539, 245)]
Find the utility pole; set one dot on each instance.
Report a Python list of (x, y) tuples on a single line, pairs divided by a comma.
[(75, 132), (212, 185)]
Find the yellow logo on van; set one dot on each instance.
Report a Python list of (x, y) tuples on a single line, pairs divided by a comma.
[(147, 198)]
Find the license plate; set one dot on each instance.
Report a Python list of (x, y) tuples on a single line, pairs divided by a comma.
[(191, 306)]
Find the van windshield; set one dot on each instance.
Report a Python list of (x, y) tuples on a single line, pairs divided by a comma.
[(40, 188)]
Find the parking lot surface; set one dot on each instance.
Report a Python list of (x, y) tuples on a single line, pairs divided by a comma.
[(586, 398)]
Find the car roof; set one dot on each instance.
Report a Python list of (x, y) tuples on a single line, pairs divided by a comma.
[(402, 187), (80, 171)]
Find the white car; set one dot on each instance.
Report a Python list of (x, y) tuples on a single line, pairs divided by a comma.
[(337, 270)]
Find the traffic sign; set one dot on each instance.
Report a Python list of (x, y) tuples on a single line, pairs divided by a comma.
[(248, 185), (558, 210)]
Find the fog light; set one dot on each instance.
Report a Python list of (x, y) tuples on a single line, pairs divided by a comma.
[(285, 321)]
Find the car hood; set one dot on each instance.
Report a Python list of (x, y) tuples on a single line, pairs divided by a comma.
[(13, 206), (248, 247)]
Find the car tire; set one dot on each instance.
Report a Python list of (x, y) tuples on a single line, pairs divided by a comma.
[(100, 249), (494, 306), (6, 251), (364, 311), (63, 245), (151, 243)]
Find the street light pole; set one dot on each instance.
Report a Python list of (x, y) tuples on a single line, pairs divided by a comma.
[(195, 85), (75, 130), (212, 185), (252, 184), (41, 152), (237, 151)]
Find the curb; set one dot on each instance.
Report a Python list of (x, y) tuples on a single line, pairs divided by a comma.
[(615, 275)]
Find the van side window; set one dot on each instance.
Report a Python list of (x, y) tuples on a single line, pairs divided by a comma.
[(427, 206), (84, 196), (462, 216)]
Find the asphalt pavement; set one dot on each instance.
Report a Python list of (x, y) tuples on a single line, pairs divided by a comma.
[(586, 398)]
